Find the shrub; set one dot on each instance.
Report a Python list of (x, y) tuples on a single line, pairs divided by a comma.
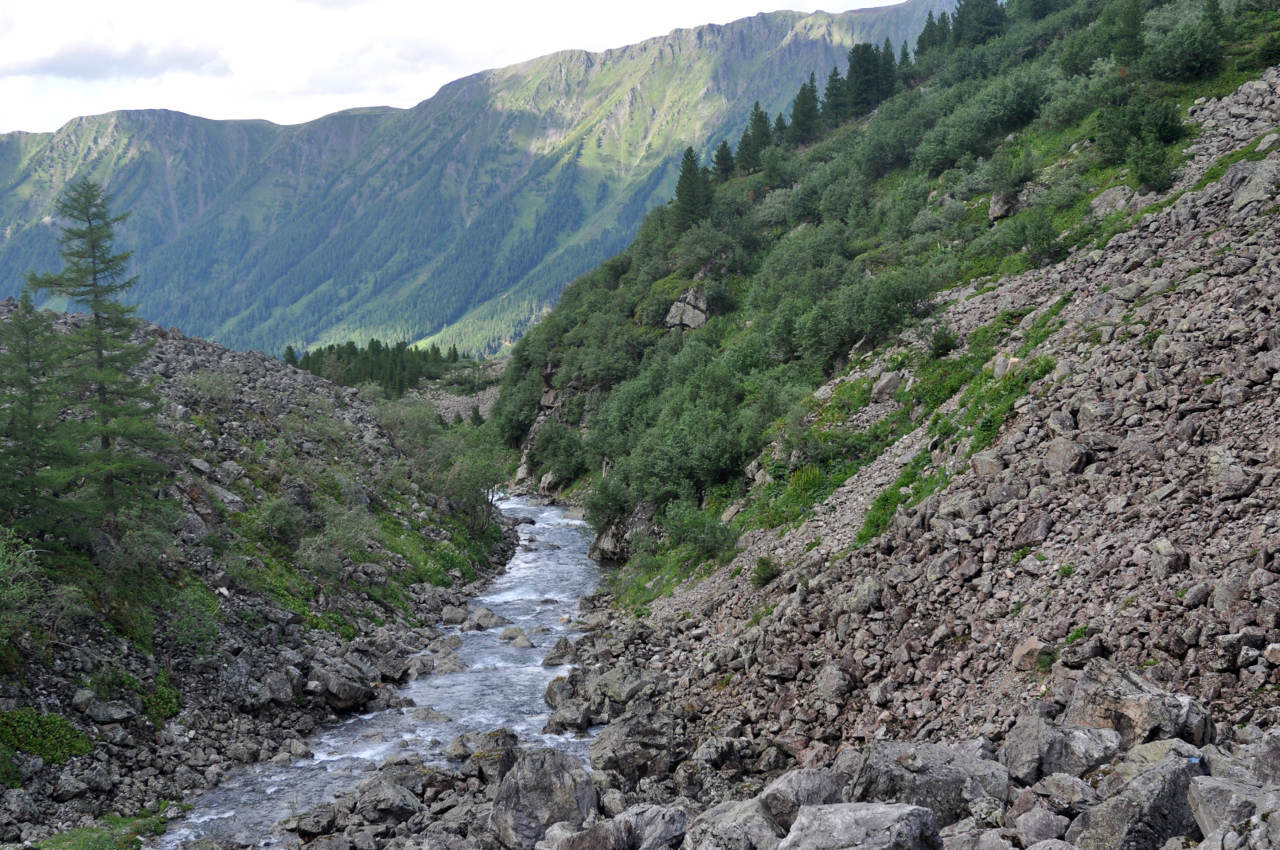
[(558, 449), (196, 616), (1149, 165), (686, 525), (1268, 53), (1190, 52), (943, 342), (281, 521), (765, 571)]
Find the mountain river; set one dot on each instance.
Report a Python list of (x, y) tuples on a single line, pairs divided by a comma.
[(502, 686)]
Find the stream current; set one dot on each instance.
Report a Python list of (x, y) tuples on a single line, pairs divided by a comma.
[(502, 686)]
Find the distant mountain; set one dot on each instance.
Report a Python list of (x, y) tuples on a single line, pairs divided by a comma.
[(462, 217)]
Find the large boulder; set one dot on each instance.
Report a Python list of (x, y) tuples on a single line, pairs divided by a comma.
[(641, 827), (1106, 697), (863, 826), (734, 825), (947, 780), (633, 749), (1036, 747), (1149, 809), (543, 787), (784, 797)]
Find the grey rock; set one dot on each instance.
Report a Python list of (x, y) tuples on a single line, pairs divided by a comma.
[(383, 800), (1040, 825), (561, 653), (1150, 809), (1106, 697), (1064, 455), (109, 712), (937, 777), (1218, 802), (783, 797), (863, 826), (544, 786), (733, 825), (632, 748), (689, 310)]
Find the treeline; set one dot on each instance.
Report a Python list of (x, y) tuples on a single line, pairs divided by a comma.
[(821, 235), (396, 368)]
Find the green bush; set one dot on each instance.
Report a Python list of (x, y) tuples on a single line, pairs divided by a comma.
[(943, 342), (1190, 52), (558, 449), (1149, 165), (196, 615), (164, 701), (765, 571), (1268, 53), (704, 534), (280, 521)]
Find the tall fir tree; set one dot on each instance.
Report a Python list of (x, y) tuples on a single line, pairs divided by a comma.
[(693, 193), (115, 409), (835, 100), (723, 162), (888, 72), (977, 21), (805, 114), (755, 138), (863, 80), (35, 455), (928, 38), (779, 129)]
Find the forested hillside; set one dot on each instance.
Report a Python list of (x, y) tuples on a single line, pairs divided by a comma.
[(476, 206), (674, 381)]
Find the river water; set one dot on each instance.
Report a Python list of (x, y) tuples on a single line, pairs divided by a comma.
[(502, 686)]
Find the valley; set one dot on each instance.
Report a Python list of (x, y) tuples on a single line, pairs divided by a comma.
[(929, 447)]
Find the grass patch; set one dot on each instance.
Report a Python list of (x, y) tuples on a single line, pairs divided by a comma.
[(49, 736), (113, 832)]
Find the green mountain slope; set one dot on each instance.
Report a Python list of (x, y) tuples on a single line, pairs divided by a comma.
[(471, 210), (752, 351)]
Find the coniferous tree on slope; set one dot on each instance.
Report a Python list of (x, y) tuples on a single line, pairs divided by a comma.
[(113, 420), (34, 452), (693, 193)]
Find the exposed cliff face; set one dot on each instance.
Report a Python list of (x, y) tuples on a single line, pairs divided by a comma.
[(481, 202)]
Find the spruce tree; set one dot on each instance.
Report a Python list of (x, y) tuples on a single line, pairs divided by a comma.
[(835, 99), (723, 162), (804, 114), (888, 72), (693, 193), (34, 453), (755, 138), (114, 410), (928, 38), (863, 80)]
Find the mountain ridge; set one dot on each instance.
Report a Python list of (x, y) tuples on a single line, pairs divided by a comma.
[(394, 223)]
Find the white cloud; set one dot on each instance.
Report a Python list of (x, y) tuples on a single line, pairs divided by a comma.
[(294, 60)]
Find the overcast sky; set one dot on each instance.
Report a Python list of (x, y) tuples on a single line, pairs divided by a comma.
[(294, 60)]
